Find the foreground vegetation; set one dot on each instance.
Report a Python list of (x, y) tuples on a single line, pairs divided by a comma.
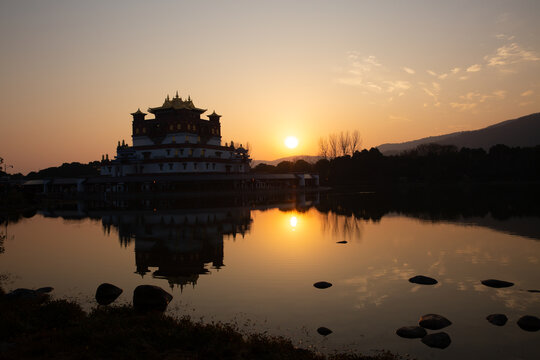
[(60, 329)]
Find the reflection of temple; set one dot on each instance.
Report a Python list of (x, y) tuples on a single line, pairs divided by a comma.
[(181, 244)]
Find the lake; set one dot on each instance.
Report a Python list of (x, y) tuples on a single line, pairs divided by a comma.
[(253, 260)]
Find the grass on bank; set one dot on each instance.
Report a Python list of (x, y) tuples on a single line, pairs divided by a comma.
[(60, 329)]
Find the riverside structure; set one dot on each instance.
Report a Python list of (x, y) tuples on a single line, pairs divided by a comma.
[(176, 141)]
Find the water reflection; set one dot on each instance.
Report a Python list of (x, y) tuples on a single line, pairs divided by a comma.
[(181, 244), (264, 254)]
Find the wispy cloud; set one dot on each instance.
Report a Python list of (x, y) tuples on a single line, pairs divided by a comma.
[(369, 74), (463, 106), (397, 85), (433, 95), (455, 70), (442, 76), (527, 93), (511, 54), (408, 70), (474, 68), (472, 99), (431, 72), (505, 37)]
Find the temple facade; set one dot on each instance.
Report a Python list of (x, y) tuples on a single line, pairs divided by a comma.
[(176, 141)]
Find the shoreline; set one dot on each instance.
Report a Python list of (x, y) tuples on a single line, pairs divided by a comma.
[(45, 328)]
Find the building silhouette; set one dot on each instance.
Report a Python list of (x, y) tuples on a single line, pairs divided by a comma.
[(176, 141)]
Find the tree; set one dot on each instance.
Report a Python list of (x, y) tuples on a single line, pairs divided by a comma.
[(332, 145), (356, 142), (344, 142), (323, 148)]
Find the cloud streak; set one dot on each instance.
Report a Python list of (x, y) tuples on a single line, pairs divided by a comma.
[(511, 54), (408, 70), (474, 68)]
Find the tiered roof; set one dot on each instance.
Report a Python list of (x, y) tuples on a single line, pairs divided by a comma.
[(176, 103)]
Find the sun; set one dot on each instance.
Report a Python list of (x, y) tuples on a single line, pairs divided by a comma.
[(291, 142)]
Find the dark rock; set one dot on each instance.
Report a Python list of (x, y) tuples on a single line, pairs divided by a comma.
[(150, 297), (439, 340), (534, 291), (44, 290), (322, 285), (434, 322), (497, 283), (341, 242), (423, 280), (106, 293), (497, 319), (529, 323), (27, 295), (324, 331), (411, 332)]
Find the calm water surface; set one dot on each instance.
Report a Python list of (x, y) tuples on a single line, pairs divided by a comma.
[(255, 266)]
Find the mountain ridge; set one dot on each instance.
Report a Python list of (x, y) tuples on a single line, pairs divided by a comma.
[(523, 131)]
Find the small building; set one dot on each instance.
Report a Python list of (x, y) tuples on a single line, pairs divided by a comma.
[(176, 141)]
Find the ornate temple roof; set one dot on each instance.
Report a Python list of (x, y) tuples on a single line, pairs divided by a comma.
[(138, 112), (177, 103)]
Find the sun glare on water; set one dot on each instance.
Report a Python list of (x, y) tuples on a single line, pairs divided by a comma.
[(291, 142)]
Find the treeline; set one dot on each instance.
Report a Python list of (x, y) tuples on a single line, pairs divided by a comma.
[(66, 170), (428, 164)]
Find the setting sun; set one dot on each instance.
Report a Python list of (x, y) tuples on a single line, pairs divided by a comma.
[(291, 142)]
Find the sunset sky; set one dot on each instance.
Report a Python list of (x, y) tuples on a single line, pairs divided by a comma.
[(72, 71)]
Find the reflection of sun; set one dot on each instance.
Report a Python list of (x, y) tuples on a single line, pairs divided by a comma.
[(291, 142), (293, 221)]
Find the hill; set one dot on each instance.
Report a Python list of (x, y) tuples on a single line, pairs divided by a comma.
[(523, 132), (309, 158)]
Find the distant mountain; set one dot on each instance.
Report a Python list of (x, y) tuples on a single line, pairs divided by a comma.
[(309, 158), (523, 132)]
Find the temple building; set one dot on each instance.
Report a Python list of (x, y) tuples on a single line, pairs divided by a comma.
[(176, 141)]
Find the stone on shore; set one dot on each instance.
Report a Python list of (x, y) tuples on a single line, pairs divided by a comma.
[(45, 289), (497, 283), (439, 340), (23, 294), (322, 285), (106, 293), (150, 298), (529, 323), (423, 280), (324, 331), (434, 322), (411, 332), (497, 319)]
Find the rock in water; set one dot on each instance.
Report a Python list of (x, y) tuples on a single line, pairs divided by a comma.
[(497, 319), (106, 293), (439, 340), (150, 297), (322, 285), (324, 331), (529, 323), (497, 283), (423, 280), (434, 322), (411, 332), (534, 291), (341, 242)]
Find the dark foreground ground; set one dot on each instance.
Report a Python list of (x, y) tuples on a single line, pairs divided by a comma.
[(60, 329)]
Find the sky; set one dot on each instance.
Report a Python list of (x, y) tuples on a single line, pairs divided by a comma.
[(72, 71)]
